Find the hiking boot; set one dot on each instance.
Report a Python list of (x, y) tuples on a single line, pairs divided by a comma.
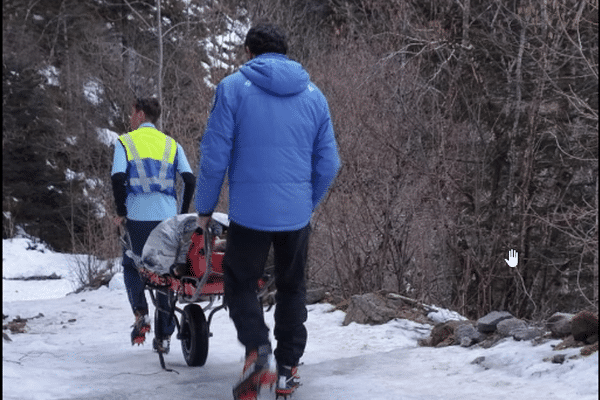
[(258, 373), (141, 326), (287, 381), (162, 346)]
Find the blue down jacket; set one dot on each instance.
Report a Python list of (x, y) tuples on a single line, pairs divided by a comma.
[(271, 127)]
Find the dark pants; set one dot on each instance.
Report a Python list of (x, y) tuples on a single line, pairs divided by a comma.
[(244, 263), (139, 232)]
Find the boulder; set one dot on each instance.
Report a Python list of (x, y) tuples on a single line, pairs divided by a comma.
[(559, 324), (489, 323), (492, 340), (584, 327), (518, 329), (444, 334), (467, 335), (368, 309), (508, 326), (527, 333), (315, 295)]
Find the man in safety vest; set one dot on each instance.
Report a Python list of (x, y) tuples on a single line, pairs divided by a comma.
[(143, 179)]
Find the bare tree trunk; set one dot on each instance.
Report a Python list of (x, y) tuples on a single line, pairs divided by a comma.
[(67, 121), (595, 263), (160, 61), (126, 59)]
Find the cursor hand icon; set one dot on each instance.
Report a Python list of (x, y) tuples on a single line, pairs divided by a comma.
[(513, 258)]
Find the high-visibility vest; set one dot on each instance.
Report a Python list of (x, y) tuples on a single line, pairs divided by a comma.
[(150, 159)]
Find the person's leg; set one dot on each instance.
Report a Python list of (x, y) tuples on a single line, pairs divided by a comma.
[(291, 253), (133, 283), (138, 233), (167, 326), (243, 264)]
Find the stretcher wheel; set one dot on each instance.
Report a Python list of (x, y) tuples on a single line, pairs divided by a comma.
[(194, 335)]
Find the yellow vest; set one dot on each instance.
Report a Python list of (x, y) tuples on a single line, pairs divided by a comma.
[(150, 159)]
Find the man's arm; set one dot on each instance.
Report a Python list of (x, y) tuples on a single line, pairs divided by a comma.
[(326, 160), (215, 152), (189, 181), (119, 179)]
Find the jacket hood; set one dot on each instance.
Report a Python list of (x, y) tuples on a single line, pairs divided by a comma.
[(276, 74)]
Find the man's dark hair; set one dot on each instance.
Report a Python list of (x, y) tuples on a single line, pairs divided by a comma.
[(150, 107), (265, 37)]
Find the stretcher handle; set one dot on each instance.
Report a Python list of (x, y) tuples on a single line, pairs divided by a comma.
[(125, 240), (208, 235)]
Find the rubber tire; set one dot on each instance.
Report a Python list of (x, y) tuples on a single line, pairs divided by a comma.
[(194, 335)]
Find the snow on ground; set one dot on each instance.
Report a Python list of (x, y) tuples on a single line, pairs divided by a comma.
[(80, 349)]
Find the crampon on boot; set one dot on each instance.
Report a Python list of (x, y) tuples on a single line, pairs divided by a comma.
[(258, 374), (161, 345), (287, 381), (141, 326)]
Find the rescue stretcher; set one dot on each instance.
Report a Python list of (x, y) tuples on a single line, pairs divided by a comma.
[(195, 275)]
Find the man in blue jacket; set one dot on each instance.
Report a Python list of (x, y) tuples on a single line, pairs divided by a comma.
[(270, 129)]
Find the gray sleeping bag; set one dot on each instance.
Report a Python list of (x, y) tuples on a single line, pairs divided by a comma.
[(171, 239)]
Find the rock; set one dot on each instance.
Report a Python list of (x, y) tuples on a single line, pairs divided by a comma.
[(444, 334), (518, 329), (488, 323), (584, 326), (543, 339), (467, 335), (315, 295), (368, 309), (17, 325), (441, 332), (560, 324), (558, 359), (451, 340), (567, 343), (588, 350), (527, 333), (508, 326), (491, 341), (478, 360)]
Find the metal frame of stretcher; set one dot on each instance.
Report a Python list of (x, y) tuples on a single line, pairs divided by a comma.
[(194, 329)]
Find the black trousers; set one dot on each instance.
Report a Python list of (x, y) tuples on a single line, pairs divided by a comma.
[(244, 263)]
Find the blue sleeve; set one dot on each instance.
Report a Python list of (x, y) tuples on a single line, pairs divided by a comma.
[(183, 164), (119, 159), (325, 159), (215, 152)]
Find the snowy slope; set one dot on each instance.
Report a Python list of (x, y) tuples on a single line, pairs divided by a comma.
[(80, 349)]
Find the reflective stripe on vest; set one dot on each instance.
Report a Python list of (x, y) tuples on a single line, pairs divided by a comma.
[(143, 181)]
